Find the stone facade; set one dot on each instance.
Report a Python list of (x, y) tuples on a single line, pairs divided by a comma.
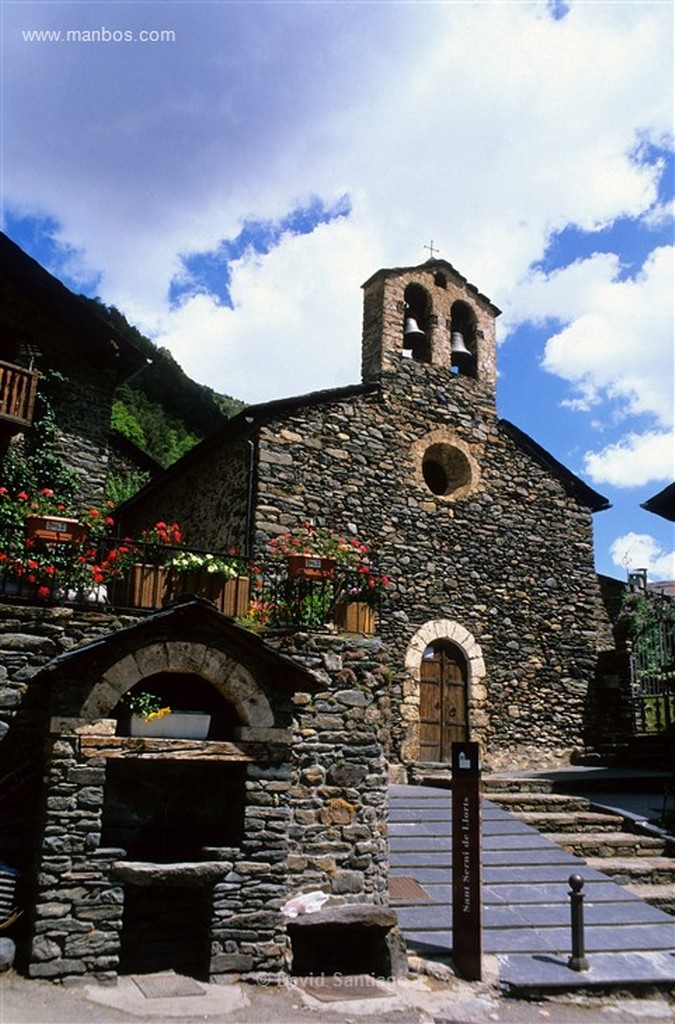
[(486, 538), (303, 772), (43, 326)]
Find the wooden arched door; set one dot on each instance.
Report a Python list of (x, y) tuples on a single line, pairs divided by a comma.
[(443, 701)]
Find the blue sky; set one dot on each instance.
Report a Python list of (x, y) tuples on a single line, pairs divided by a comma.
[(228, 174)]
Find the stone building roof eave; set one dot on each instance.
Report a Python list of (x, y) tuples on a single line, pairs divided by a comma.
[(246, 424), (29, 276), (573, 484), (662, 504), (191, 618), (126, 446)]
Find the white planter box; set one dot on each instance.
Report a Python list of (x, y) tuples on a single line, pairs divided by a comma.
[(179, 725)]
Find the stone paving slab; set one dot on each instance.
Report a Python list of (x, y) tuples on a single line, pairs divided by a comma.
[(511, 938), (499, 826), (491, 858), (596, 893), (549, 915), (524, 973), (526, 910), (526, 841)]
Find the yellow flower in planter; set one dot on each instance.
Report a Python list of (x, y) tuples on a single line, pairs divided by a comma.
[(157, 714), (147, 705)]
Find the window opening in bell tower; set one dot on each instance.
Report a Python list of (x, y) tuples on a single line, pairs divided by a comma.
[(462, 327), (416, 321)]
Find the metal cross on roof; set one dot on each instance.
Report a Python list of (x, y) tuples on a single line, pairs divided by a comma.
[(431, 249)]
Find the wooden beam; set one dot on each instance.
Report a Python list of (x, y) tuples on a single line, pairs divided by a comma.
[(181, 750)]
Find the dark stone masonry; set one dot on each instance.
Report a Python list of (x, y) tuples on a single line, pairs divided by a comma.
[(292, 802), (488, 541)]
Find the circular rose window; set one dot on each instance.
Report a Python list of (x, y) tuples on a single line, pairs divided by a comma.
[(446, 470)]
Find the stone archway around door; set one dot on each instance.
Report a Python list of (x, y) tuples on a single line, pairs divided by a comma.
[(459, 676)]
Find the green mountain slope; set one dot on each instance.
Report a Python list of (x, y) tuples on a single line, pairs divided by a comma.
[(161, 409)]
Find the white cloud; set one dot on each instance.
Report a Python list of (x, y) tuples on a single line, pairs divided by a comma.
[(635, 460), (289, 331), (618, 342), (641, 551), (615, 351), (484, 126)]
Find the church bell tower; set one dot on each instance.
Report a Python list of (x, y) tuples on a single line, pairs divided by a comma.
[(432, 315)]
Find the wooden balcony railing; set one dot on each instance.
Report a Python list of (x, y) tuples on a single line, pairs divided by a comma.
[(17, 396)]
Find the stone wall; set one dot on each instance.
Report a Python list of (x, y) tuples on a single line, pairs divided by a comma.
[(30, 638), (501, 550), (83, 401), (337, 829), (210, 501), (314, 816), (511, 561)]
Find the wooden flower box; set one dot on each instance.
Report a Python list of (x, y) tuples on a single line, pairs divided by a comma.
[(143, 587), (55, 530), (310, 566), (154, 586), (355, 617), (231, 596)]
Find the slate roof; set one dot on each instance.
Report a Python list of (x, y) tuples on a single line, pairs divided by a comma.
[(47, 292), (663, 503), (189, 618)]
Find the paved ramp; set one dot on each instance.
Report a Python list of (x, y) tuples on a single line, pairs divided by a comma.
[(526, 907)]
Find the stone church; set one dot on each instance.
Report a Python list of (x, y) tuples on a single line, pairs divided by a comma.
[(114, 845), (493, 625)]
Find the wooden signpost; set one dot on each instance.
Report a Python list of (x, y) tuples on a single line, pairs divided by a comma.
[(467, 910)]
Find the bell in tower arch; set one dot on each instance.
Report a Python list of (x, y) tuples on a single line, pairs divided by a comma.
[(414, 338), (462, 358), (462, 326), (416, 318)]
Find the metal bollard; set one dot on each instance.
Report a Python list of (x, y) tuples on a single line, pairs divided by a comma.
[(578, 960)]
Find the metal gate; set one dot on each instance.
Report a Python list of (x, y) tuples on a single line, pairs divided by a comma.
[(652, 676)]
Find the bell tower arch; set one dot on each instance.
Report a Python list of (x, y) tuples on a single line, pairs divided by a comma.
[(430, 314)]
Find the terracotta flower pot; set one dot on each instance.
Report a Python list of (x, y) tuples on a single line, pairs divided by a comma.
[(310, 566), (55, 529)]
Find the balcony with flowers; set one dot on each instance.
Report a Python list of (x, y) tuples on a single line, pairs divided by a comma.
[(313, 577), (18, 388), (309, 579)]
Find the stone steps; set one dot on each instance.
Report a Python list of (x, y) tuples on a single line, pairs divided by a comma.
[(661, 896), (607, 841), (608, 844), (632, 871), (557, 822), (526, 905), (493, 784), (538, 802)]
